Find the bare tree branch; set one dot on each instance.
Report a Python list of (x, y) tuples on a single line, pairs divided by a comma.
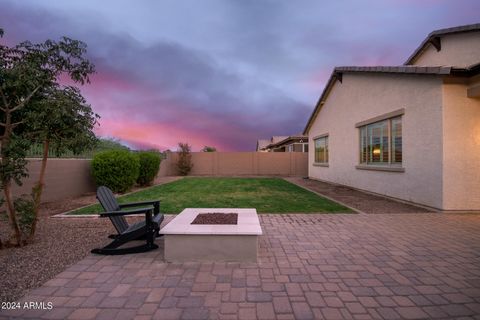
[(5, 107), (16, 124), (26, 99)]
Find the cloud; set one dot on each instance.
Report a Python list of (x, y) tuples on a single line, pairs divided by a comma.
[(179, 88), (165, 92), (224, 73)]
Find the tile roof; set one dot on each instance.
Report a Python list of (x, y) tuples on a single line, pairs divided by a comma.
[(395, 69), (276, 139)]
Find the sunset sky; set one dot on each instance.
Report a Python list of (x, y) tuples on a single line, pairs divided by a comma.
[(224, 73)]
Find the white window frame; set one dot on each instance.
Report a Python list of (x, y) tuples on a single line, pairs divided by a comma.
[(384, 166), (305, 146)]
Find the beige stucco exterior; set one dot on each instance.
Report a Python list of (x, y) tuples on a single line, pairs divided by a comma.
[(440, 124), (461, 155), (457, 50), (363, 96), (441, 137)]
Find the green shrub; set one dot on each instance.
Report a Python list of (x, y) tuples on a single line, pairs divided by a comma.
[(149, 166), (116, 169)]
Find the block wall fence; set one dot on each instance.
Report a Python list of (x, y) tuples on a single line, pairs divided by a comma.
[(241, 164), (67, 178)]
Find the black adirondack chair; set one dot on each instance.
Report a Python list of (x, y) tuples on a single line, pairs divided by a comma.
[(146, 229)]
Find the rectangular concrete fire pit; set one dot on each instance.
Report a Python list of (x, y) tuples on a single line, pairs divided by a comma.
[(193, 242)]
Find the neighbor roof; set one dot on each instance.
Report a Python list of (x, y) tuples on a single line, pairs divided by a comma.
[(430, 71), (434, 35), (262, 143), (276, 139), (287, 139)]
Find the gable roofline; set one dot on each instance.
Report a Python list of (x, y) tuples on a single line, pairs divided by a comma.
[(338, 72), (434, 39), (321, 100)]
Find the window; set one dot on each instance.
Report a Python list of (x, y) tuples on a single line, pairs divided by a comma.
[(321, 149), (381, 142)]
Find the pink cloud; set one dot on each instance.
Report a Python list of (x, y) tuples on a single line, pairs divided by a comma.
[(156, 135), (141, 116), (110, 80)]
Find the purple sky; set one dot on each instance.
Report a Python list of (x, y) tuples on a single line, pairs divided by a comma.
[(224, 73)]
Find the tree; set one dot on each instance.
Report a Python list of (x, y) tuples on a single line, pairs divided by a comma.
[(209, 149), (105, 144), (29, 76), (62, 119), (184, 164)]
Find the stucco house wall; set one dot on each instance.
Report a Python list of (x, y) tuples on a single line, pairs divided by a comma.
[(363, 96), (461, 154), (458, 50)]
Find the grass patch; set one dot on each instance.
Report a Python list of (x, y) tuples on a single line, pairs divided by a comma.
[(267, 195)]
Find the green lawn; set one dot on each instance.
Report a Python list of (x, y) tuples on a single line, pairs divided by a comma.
[(267, 195)]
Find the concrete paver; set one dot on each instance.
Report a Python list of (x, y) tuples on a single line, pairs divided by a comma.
[(410, 265), (383, 266)]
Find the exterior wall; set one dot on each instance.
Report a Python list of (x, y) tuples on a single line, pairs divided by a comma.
[(64, 178), (364, 96), (458, 50), (461, 154), (240, 163)]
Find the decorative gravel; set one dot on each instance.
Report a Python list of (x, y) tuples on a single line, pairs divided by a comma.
[(58, 244)]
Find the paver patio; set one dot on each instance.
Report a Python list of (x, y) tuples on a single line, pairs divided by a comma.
[(383, 266)]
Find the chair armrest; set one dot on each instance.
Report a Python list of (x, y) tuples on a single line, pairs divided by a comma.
[(155, 203), (126, 212), (141, 203)]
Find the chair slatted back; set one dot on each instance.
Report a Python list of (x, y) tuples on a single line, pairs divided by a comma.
[(109, 203)]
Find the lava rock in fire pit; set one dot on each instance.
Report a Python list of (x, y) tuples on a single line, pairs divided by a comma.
[(216, 218)]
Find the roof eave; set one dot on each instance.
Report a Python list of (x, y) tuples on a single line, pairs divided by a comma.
[(471, 71)]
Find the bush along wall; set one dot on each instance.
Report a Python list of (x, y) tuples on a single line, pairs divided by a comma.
[(149, 166), (116, 169)]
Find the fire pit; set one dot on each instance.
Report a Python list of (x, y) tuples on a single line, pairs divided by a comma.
[(212, 235), (216, 218)]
